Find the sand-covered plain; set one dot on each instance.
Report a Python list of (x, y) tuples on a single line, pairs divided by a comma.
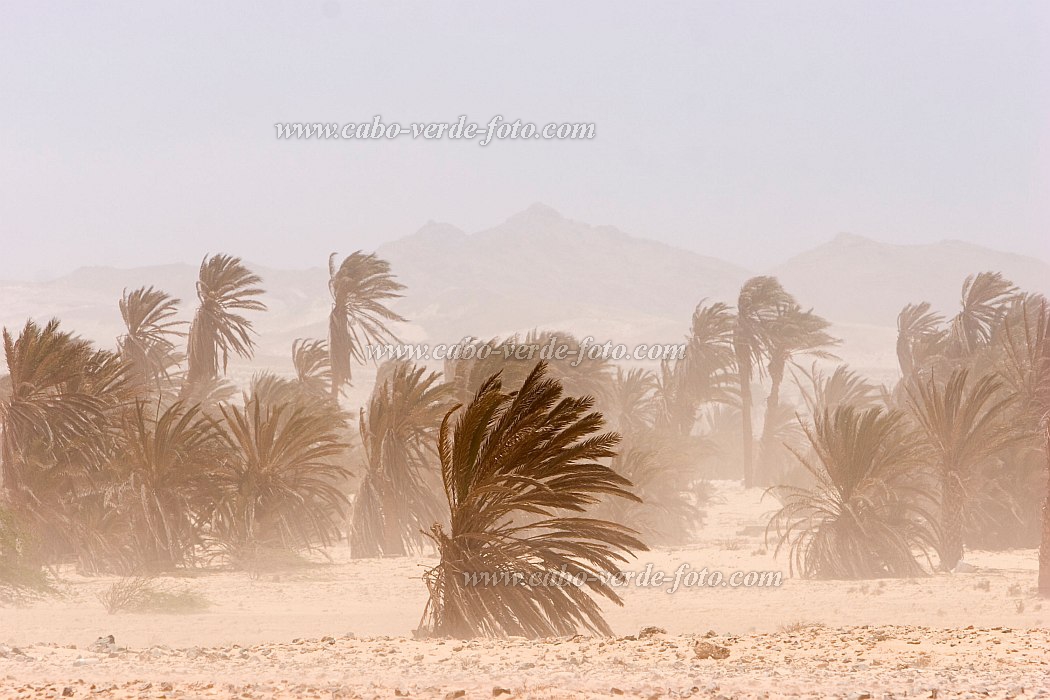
[(343, 628)]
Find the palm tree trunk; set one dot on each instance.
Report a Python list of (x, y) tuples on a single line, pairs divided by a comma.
[(10, 481), (1044, 545), (393, 543), (776, 375), (748, 431), (951, 520)]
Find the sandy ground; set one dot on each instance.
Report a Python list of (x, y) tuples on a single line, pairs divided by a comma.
[(343, 629)]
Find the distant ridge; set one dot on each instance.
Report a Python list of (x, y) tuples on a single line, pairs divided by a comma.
[(853, 279), (541, 269)]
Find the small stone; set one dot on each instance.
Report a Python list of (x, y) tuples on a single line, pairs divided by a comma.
[(709, 650)]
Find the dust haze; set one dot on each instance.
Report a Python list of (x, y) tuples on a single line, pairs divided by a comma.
[(744, 395)]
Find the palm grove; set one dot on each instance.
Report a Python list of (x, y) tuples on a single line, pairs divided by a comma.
[(145, 458)]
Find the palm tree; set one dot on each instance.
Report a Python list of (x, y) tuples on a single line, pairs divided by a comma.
[(919, 337), (869, 511), (19, 574), (757, 305), (1025, 368), (962, 422), (822, 391), (628, 403), (662, 471), (60, 389), (580, 373), (511, 465), (56, 431), (148, 346), (399, 497), (466, 374), (279, 485), (659, 454), (312, 364), (162, 477), (225, 289), (985, 299), (791, 332), (703, 375), (361, 287)]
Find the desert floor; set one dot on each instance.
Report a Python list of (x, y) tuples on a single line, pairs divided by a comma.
[(343, 628)]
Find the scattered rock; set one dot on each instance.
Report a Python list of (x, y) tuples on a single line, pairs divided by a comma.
[(709, 650), (497, 691), (648, 632), (104, 645)]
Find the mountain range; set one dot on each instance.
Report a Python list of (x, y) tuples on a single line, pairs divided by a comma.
[(540, 269)]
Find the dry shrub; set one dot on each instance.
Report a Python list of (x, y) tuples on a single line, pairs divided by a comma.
[(142, 594)]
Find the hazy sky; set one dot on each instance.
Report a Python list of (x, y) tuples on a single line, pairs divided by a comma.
[(139, 133)]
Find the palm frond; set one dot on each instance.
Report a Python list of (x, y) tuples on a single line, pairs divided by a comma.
[(148, 345), (361, 287), (985, 299), (511, 465), (963, 424), (399, 498), (280, 485), (225, 290), (870, 513), (920, 337)]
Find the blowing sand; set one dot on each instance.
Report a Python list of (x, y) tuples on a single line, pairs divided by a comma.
[(343, 628)]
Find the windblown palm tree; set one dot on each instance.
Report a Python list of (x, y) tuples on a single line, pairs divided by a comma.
[(758, 304), (466, 374), (662, 470), (659, 454), (148, 346), (512, 465), (312, 365), (399, 497), (279, 486), (704, 375), (869, 511), (843, 387), (1025, 368), (361, 287), (161, 480), (628, 403), (920, 337), (791, 332), (580, 373), (19, 574), (56, 423), (986, 297), (225, 289), (963, 424), (60, 391)]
